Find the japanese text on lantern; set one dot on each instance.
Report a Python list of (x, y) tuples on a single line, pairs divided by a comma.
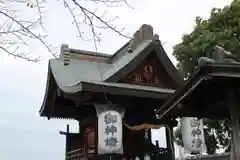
[(195, 133), (111, 129)]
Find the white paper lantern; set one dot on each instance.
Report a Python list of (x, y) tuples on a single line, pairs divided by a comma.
[(109, 132), (193, 135)]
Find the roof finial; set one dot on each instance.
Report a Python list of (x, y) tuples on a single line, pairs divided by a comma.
[(145, 32), (156, 37), (65, 54)]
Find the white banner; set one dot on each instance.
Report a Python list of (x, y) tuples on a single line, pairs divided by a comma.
[(193, 135), (109, 129)]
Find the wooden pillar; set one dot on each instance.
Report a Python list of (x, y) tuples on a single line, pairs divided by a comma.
[(234, 114), (79, 127), (66, 146), (150, 135), (170, 141), (96, 137)]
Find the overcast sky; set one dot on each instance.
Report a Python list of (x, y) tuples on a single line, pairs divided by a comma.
[(23, 134)]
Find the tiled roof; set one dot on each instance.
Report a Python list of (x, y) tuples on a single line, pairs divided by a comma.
[(78, 70), (206, 85), (125, 59)]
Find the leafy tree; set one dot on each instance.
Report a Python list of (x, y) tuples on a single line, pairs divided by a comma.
[(17, 29), (221, 28)]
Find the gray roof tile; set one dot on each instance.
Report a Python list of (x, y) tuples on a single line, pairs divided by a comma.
[(84, 70), (81, 74), (125, 59), (76, 71)]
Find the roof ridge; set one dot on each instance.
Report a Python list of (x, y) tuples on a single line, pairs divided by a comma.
[(65, 48)]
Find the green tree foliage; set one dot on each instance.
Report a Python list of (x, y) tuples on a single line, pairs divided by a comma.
[(221, 28)]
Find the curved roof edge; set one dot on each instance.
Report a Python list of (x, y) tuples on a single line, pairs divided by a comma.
[(168, 65), (42, 110), (95, 86), (135, 61)]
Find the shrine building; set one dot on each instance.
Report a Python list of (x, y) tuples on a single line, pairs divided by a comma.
[(114, 99)]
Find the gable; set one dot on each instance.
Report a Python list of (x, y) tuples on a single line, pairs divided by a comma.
[(131, 64), (150, 72)]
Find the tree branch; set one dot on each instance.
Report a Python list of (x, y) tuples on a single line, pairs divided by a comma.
[(86, 12), (19, 55), (15, 32), (91, 18), (22, 31)]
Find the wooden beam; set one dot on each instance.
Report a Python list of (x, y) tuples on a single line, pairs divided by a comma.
[(66, 147), (65, 133)]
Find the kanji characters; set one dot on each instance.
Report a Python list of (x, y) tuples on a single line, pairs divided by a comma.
[(110, 119), (111, 142), (111, 129), (197, 142), (196, 131), (194, 123)]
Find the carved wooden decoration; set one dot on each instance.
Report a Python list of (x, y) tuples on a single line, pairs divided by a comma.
[(146, 74)]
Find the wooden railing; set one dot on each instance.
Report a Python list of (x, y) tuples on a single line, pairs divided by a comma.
[(80, 154), (77, 154), (89, 153), (82, 146)]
